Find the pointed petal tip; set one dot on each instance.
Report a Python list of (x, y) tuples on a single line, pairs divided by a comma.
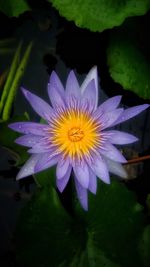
[(82, 194), (147, 105), (125, 176), (119, 97), (10, 125), (92, 74), (131, 112), (106, 181), (24, 91), (17, 141), (13, 126), (18, 177), (85, 208), (72, 86), (121, 160), (94, 68), (135, 139), (60, 189), (71, 72), (121, 138), (54, 79), (30, 151), (61, 183), (53, 73), (142, 107), (122, 173), (21, 174), (83, 202)]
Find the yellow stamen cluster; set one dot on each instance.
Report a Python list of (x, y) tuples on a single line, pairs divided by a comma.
[(75, 133)]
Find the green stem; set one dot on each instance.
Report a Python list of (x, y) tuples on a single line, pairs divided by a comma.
[(10, 77), (136, 160), (16, 82)]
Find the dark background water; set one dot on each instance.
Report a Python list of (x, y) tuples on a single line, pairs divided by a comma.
[(59, 45)]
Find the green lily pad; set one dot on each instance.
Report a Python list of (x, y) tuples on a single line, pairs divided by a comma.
[(128, 66), (107, 235), (114, 223), (98, 15), (145, 246), (46, 235), (14, 8), (46, 178)]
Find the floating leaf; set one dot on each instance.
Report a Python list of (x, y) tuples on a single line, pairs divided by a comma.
[(16, 82), (107, 235), (46, 178), (114, 223), (145, 246), (148, 203), (46, 234), (98, 15), (14, 8), (128, 66)]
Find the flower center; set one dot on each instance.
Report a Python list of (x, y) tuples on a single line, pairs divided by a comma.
[(75, 134)]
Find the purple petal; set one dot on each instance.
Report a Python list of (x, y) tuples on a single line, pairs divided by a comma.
[(28, 167), (112, 153), (90, 94), (55, 81), (90, 76), (72, 86), (39, 105), (120, 138), (56, 96), (46, 161), (61, 183), (62, 168), (28, 140), (116, 168), (110, 104), (99, 167), (108, 118), (82, 195), (131, 112), (92, 182), (29, 128), (82, 173), (41, 147)]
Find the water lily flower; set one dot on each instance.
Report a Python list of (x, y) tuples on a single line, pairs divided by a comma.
[(75, 136)]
